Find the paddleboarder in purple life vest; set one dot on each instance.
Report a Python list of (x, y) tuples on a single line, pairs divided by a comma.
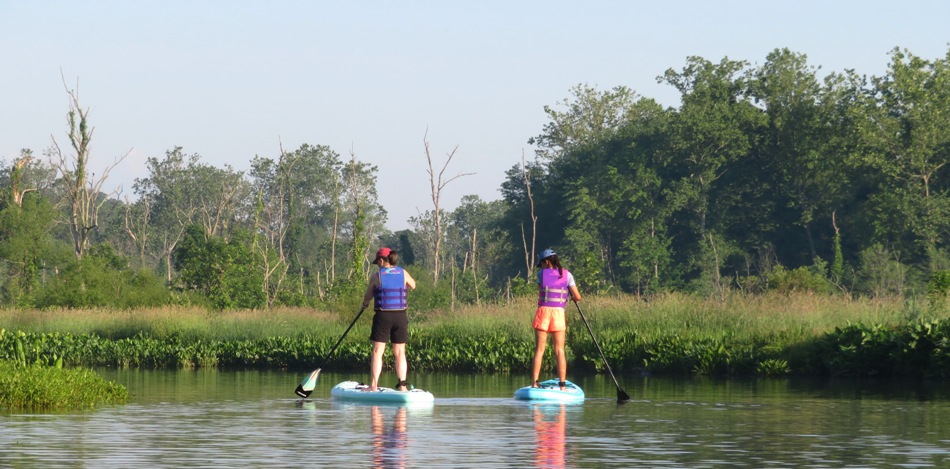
[(387, 289), (555, 286)]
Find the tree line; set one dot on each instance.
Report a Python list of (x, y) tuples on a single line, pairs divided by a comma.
[(764, 177)]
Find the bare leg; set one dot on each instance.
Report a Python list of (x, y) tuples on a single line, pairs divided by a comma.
[(376, 364), (540, 341), (559, 339), (399, 353)]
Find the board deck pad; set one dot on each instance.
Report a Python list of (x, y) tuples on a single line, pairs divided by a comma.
[(550, 391), (354, 391)]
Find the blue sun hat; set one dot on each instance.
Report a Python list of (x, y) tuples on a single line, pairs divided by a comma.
[(546, 254)]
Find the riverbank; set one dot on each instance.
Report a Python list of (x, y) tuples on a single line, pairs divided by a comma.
[(799, 334)]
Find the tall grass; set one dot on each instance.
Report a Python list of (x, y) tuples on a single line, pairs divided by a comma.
[(188, 323), (694, 317), (672, 333)]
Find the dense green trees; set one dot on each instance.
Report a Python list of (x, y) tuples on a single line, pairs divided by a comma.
[(760, 171), (764, 177)]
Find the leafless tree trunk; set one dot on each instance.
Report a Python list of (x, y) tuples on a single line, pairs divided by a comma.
[(16, 178), (717, 277), (137, 224), (275, 270), (528, 254), (82, 189), (436, 184), (336, 231), (474, 265)]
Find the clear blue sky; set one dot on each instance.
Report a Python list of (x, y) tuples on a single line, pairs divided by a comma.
[(229, 80)]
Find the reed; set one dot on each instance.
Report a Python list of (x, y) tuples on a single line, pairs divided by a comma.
[(671, 333), (167, 321)]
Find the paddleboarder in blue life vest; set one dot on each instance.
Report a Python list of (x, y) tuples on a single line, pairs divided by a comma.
[(387, 289), (555, 286)]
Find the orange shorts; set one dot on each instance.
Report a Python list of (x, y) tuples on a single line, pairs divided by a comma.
[(549, 319)]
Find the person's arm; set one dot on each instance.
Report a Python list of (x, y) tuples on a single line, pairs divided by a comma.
[(572, 287), (368, 296), (575, 293), (410, 282)]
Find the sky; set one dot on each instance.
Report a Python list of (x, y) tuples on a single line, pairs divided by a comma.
[(231, 80)]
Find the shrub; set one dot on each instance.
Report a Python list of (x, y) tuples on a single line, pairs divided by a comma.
[(37, 387), (802, 279)]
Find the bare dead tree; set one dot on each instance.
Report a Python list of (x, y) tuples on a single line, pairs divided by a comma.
[(137, 224), (436, 184), (16, 178), (358, 189), (528, 253), (474, 264), (82, 190), (276, 270)]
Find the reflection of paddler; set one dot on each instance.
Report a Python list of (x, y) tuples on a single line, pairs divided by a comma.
[(550, 431), (389, 446)]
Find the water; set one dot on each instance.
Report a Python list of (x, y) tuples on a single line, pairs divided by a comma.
[(252, 419)]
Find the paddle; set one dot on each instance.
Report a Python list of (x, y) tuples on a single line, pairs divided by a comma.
[(621, 395), (306, 386)]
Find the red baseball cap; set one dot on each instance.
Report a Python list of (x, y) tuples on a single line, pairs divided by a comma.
[(383, 252)]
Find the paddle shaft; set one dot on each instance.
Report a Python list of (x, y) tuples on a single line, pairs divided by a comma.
[(621, 395), (337, 344)]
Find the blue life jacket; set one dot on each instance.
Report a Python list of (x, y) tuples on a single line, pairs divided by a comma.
[(390, 295), (552, 289)]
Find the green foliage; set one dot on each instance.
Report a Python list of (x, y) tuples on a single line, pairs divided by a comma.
[(880, 273), (42, 388), (938, 290), (836, 270), (26, 248), (225, 272), (772, 367), (521, 287), (919, 349), (101, 278), (758, 166), (803, 279), (939, 284), (671, 335)]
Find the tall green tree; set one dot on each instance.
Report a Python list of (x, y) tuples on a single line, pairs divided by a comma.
[(905, 134), (710, 132), (805, 174)]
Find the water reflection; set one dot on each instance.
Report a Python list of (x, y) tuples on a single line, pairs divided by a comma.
[(550, 432), (389, 441), (247, 419)]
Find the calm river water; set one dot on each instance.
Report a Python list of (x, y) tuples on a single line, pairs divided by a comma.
[(253, 419)]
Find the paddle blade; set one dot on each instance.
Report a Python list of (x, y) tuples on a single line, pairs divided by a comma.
[(622, 396), (306, 386)]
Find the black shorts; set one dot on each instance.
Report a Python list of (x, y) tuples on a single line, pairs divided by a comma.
[(390, 326)]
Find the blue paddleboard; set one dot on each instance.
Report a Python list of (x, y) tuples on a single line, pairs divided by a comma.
[(358, 392), (549, 391)]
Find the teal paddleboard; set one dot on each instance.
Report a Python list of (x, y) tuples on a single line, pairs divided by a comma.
[(549, 391), (358, 392)]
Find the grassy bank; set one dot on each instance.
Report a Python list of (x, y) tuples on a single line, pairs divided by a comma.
[(672, 334)]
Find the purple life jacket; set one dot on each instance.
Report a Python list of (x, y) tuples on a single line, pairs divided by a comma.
[(552, 290), (390, 295)]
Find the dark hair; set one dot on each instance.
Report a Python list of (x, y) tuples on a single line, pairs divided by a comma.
[(393, 257), (556, 263)]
